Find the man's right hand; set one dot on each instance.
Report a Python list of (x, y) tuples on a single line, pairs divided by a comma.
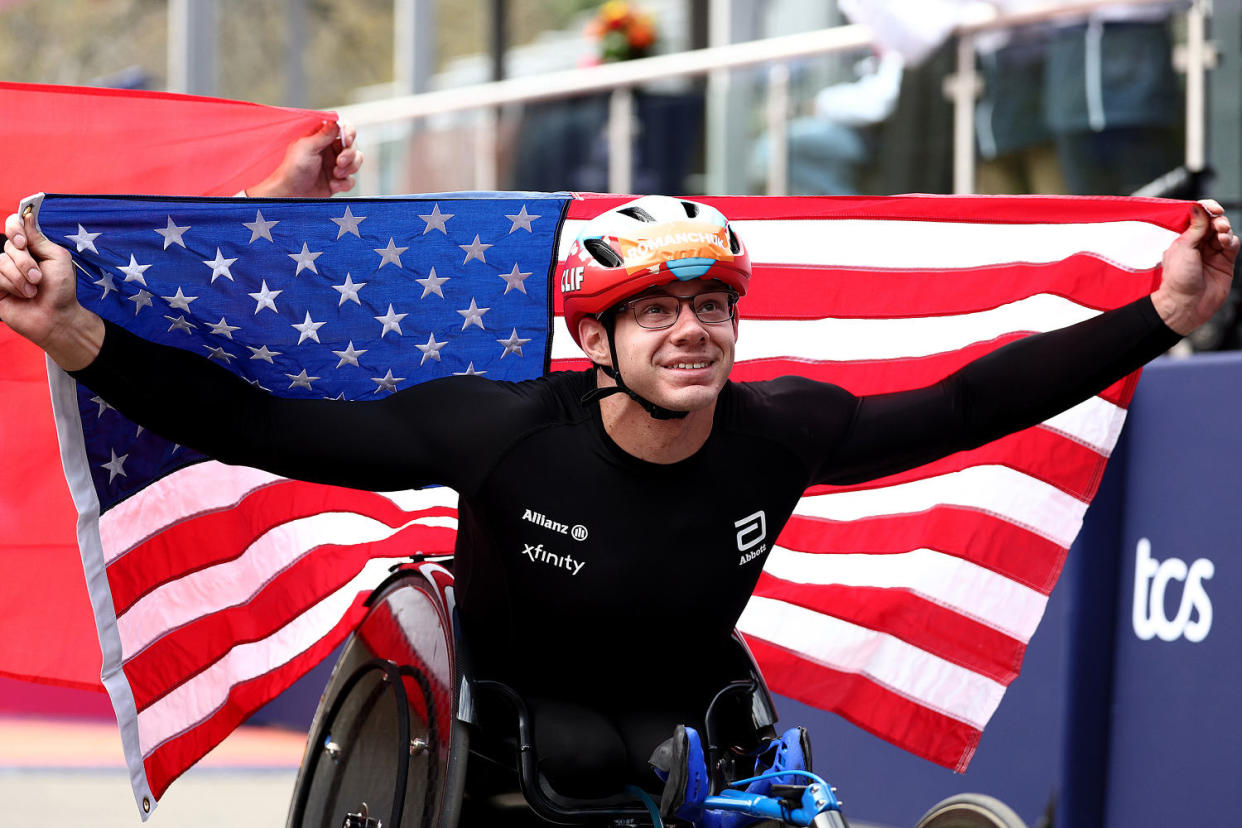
[(38, 296)]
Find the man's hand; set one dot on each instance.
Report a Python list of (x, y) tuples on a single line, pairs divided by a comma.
[(316, 166), (39, 299), (1198, 270)]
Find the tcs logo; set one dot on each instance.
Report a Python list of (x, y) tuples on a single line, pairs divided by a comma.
[(1151, 581)]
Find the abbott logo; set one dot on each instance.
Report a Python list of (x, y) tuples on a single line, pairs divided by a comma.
[(751, 530), (1151, 579)]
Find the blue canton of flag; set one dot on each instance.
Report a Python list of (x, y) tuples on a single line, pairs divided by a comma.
[(341, 299)]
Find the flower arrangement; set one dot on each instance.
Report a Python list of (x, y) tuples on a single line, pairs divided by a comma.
[(622, 31)]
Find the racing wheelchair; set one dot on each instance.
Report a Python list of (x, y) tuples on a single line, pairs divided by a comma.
[(406, 737)]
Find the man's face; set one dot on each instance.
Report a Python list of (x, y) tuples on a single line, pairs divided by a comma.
[(682, 367)]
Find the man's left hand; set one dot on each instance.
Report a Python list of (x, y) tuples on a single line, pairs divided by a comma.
[(1198, 269), (316, 166)]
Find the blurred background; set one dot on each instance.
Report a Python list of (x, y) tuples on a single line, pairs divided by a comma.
[(778, 97)]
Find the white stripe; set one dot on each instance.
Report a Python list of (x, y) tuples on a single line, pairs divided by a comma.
[(236, 581), (1095, 423), (197, 699), (907, 670), (997, 490), (904, 245), (212, 486), (194, 490), (962, 586), (845, 340)]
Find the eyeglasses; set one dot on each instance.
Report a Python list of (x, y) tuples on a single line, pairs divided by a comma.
[(660, 310)]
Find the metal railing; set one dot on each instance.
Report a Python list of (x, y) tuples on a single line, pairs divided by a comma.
[(620, 79)]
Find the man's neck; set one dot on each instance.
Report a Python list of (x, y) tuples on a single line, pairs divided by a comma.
[(645, 437)]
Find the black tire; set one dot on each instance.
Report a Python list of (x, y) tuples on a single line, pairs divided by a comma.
[(385, 731), (969, 810)]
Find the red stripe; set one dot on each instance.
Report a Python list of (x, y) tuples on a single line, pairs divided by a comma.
[(783, 291), (1172, 215), (169, 760), (911, 618), (386, 638), (180, 549), (181, 654), (1018, 554), (895, 718)]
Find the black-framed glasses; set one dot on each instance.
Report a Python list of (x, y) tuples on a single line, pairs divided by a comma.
[(660, 310)]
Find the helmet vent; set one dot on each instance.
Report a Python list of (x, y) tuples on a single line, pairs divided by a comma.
[(735, 246), (692, 209), (602, 252), (636, 213)]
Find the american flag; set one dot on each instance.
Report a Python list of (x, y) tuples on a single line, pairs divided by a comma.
[(904, 604)]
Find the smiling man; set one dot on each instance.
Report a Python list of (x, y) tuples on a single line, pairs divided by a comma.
[(613, 522)]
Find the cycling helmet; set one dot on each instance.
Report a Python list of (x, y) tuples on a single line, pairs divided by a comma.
[(653, 240)]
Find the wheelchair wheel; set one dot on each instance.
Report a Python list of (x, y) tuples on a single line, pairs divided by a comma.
[(969, 810), (381, 741)]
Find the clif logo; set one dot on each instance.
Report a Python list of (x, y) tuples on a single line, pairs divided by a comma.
[(1151, 579)]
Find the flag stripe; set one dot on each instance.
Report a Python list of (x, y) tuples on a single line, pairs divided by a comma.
[(910, 616), (950, 581), (198, 698), (236, 581), (873, 707), (182, 652), (1002, 547), (931, 681)]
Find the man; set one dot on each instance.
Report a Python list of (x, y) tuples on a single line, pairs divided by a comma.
[(651, 463)]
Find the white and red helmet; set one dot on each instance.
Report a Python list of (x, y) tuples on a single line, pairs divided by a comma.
[(651, 241)]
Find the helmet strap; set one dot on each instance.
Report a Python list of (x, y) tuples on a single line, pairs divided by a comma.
[(657, 412)]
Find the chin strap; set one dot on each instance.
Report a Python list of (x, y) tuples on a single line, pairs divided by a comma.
[(657, 412)]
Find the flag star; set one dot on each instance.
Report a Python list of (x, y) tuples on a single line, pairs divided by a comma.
[(522, 219), (513, 345), (220, 266), (387, 382), (348, 223), (218, 353), (262, 352), (265, 298), (305, 259), (473, 315), (391, 253), (431, 350), (340, 397), (391, 322), (349, 290), (436, 220), (84, 240), (180, 301), (259, 229), (259, 385), (349, 355), (103, 405), (138, 431), (300, 380), (180, 324), (115, 466), (141, 299), (106, 282), (475, 250), (469, 372), (223, 328), (515, 279), (432, 284), (308, 329), (172, 233), (133, 271)]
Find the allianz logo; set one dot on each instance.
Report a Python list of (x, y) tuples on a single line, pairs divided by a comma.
[(1151, 582), (578, 532)]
